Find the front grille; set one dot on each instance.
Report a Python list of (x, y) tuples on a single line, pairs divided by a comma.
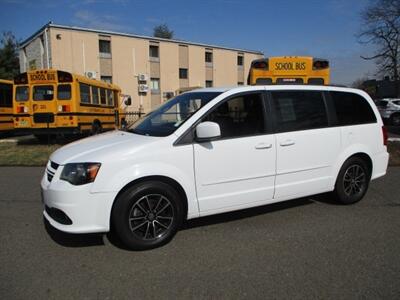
[(43, 118), (50, 175), (51, 170)]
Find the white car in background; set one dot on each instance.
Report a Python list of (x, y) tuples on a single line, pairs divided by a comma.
[(216, 150), (389, 108)]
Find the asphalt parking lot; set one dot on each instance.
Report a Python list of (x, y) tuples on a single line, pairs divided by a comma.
[(307, 248)]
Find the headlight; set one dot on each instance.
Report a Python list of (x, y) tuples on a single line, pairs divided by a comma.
[(80, 173)]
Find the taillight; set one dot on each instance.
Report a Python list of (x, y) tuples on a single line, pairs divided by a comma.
[(260, 64), (64, 108), (319, 64), (385, 135), (20, 109)]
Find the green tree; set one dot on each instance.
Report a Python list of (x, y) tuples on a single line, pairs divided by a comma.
[(9, 60), (163, 31)]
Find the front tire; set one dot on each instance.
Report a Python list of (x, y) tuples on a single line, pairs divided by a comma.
[(147, 215), (352, 181)]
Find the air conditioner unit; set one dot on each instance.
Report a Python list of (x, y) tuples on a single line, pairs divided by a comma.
[(90, 74), (143, 88), (142, 77)]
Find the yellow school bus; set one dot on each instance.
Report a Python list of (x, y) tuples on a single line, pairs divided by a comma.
[(6, 106), (59, 102), (289, 70)]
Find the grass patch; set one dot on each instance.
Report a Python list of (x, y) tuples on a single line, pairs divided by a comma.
[(13, 154)]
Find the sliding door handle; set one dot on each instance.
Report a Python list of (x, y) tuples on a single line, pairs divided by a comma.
[(287, 143)]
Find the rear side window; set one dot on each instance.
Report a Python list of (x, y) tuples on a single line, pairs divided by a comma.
[(352, 109), (299, 110), (43, 92), (64, 92), (22, 93)]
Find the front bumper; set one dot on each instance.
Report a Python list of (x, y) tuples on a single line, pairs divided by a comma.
[(88, 212)]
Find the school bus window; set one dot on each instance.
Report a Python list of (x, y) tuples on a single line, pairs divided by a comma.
[(43, 92), (95, 95), (110, 98), (64, 92), (22, 93), (84, 92), (103, 98), (116, 98), (5, 95)]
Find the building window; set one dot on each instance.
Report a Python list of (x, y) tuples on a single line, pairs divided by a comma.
[(183, 73), (209, 57), (105, 48), (107, 79), (155, 85), (240, 60), (240, 83), (154, 53), (209, 83)]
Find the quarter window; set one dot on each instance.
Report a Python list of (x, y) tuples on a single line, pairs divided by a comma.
[(299, 110), (352, 109), (43, 92), (240, 116), (64, 92), (84, 92)]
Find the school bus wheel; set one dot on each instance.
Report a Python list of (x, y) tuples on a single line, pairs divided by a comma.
[(96, 127)]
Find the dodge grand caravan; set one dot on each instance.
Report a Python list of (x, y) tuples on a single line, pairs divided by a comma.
[(211, 151)]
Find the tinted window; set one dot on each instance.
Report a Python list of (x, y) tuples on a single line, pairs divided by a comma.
[(382, 103), (352, 109), (43, 92), (299, 110), (22, 93), (5, 95), (85, 92), (396, 102), (64, 92), (239, 116)]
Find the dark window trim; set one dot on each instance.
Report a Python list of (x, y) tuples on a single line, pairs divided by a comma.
[(188, 137), (274, 111)]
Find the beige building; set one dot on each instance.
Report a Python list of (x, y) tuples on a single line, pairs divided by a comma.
[(147, 68)]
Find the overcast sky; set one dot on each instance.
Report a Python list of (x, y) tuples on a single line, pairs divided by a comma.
[(320, 28)]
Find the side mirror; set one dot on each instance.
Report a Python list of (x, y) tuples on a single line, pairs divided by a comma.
[(207, 131), (128, 101)]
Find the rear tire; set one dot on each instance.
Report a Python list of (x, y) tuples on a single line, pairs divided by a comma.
[(352, 181), (147, 215), (96, 128)]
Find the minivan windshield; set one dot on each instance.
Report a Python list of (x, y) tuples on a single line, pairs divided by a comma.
[(172, 114)]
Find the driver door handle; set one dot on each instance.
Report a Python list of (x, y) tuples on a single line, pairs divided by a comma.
[(263, 146)]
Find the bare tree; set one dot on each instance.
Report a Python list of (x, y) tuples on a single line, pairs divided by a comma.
[(381, 27)]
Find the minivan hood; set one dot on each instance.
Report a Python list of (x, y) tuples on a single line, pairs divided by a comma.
[(101, 147)]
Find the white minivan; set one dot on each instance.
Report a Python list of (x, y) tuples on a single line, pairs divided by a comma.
[(216, 150)]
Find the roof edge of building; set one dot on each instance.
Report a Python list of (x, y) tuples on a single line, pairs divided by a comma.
[(183, 42)]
